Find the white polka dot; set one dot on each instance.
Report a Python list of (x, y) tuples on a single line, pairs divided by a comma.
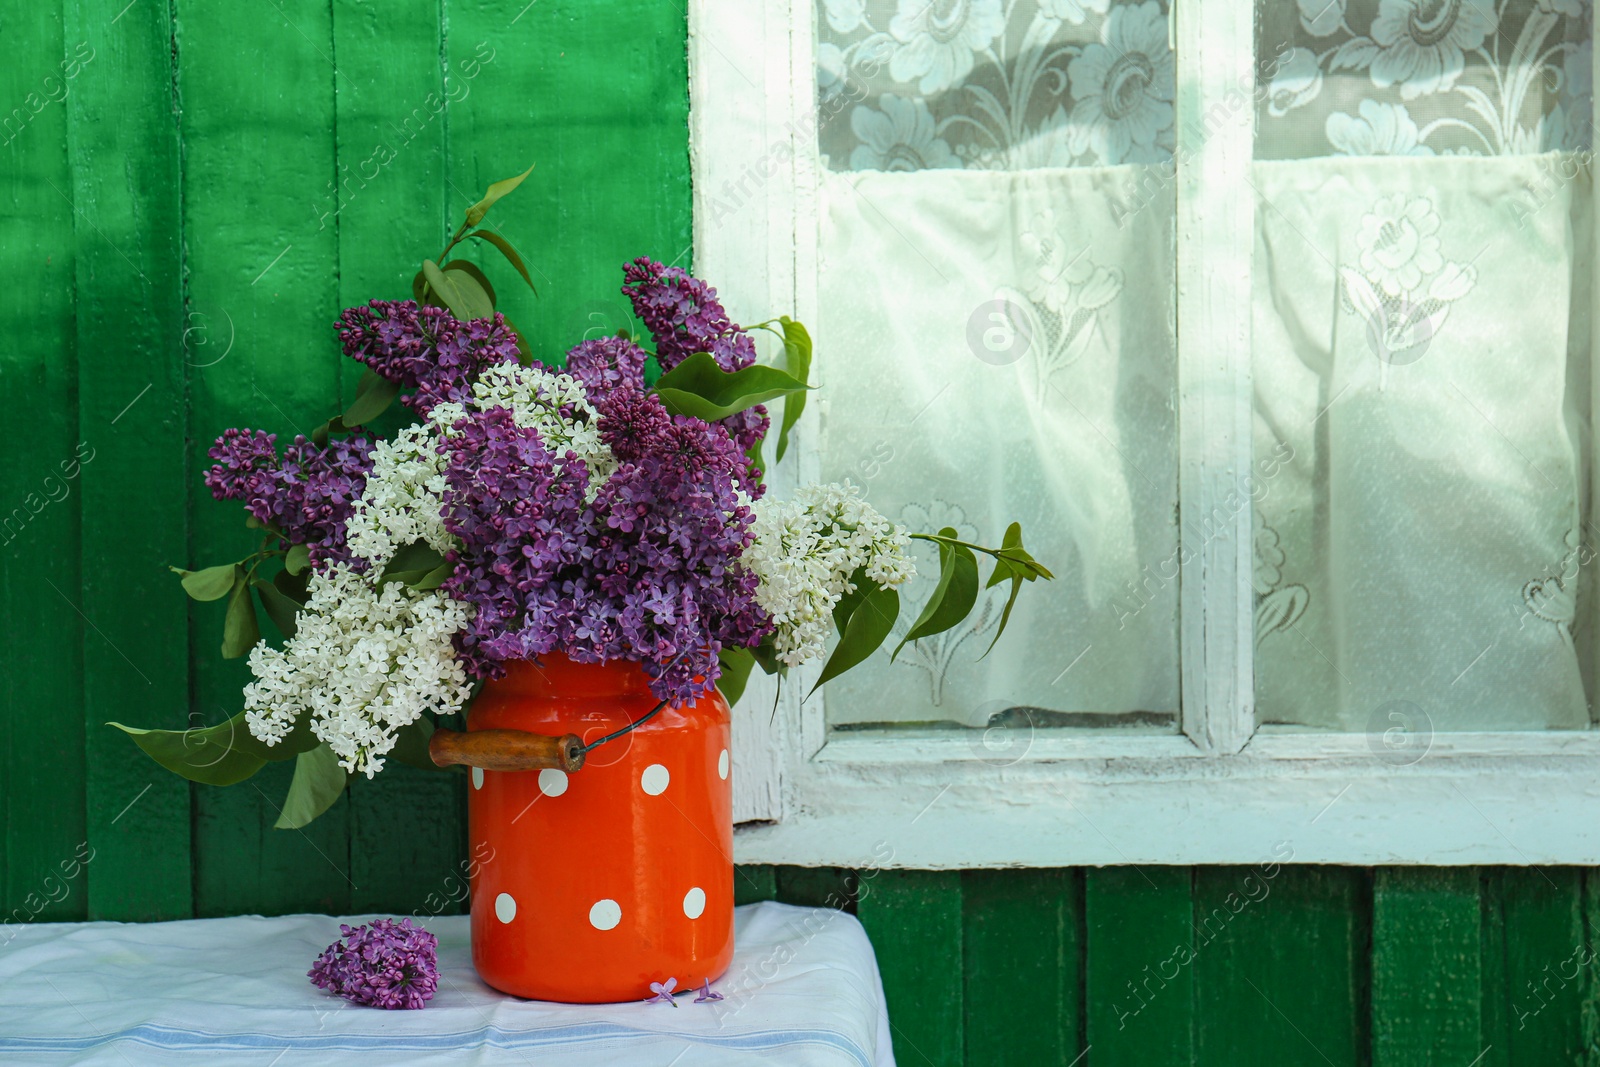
[(552, 783), (477, 777), (694, 902), (505, 908), (722, 765), (654, 779), (605, 915)]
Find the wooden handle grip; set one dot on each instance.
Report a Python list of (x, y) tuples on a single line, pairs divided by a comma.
[(506, 750)]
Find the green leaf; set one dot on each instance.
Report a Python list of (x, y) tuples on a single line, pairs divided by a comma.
[(213, 583), (213, 755), (703, 390), (471, 270), (797, 354), (509, 252), (433, 579), (239, 630), (869, 625), (293, 586), (477, 211), (458, 291), (753, 453), (318, 781), (216, 755), (860, 586), (413, 564), (374, 394), (524, 351), (952, 599), (411, 744), (736, 666), (297, 559), (766, 657), (280, 609), (1015, 565)]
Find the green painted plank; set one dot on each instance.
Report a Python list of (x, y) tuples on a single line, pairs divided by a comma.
[(1139, 978), (1537, 965), (41, 665), (1280, 966), (1589, 1014), (602, 113), (258, 154), (408, 827), (754, 882), (1426, 973), (131, 374), (1022, 944), (818, 887), (914, 919)]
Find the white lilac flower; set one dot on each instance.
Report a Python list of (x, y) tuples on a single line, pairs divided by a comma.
[(368, 659), (805, 551), (1423, 42), (1382, 130), (364, 662), (1399, 242), (938, 38), (900, 137), (1123, 87)]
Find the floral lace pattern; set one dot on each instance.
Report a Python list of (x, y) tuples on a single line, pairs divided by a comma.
[(1424, 77), (908, 85)]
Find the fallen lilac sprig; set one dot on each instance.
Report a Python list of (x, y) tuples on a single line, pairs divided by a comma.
[(706, 993), (663, 992), (386, 964)]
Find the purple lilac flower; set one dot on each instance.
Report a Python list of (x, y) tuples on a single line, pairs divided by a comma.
[(662, 991), (645, 571), (606, 364), (425, 349), (684, 316), (386, 964), (523, 524), (308, 495), (706, 994)]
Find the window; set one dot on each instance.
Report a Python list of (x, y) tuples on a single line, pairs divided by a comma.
[(1272, 327)]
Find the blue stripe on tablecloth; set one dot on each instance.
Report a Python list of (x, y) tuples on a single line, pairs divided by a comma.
[(176, 1039)]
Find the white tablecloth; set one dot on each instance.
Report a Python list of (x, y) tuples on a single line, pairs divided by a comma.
[(803, 989)]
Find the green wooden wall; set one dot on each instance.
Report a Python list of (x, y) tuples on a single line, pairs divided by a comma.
[(188, 195), (1226, 966)]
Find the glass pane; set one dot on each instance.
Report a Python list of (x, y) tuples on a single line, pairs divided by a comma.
[(1423, 285), (996, 342)]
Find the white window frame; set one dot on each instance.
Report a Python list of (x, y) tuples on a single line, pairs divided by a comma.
[(1222, 790)]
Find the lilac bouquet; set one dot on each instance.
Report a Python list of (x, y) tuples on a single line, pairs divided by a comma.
[(607, 504)]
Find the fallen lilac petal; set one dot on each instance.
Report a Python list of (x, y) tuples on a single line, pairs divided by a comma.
[(706, 993), (663, 992)]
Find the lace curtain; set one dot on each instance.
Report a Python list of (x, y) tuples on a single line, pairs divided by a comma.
[(1423, 355), (998, 270), (996, 261)]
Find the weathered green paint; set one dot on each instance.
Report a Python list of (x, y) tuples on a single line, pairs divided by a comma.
[(1280, 963), (174, 226), (123, 146), (41, 694), (258, 153), (1426, 967), (1022, 973), (915, 921), (1141, 948), (1536, 967)]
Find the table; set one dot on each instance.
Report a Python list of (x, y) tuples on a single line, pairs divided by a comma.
[(803, 989)]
